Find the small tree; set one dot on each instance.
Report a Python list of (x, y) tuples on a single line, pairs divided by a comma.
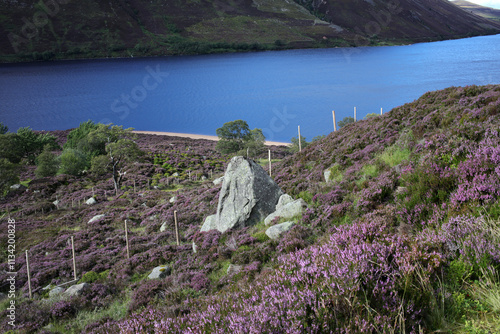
[(345, 121), (3, 129), (236, 137), (295, 144), (9, 175), (31, 144), (119, 150), (47, 163), (10, 148), (78, 139), (371, 115), (72, 162)]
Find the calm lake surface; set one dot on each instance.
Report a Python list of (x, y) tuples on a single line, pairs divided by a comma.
[(275, 91)]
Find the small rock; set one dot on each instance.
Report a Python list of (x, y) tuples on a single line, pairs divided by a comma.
[(287, 211), (175, 174), (56, 202), (173, 199), (91, 201), (18, 187), (284, 200), (327, 173), (400, 190), (163, 227), (203, 178), (218, 180), (160, 272), (96, 218), (233, 269), (275, 231), (77, 290), (56, 291)]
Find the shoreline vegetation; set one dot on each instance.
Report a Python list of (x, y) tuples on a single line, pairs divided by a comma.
[(200, 49)]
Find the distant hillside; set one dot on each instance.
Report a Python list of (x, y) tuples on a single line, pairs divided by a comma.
[(31, 30), (487, 12)]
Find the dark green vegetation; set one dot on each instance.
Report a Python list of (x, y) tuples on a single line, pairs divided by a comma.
[(60, 29), (486, 12), (404, 236), (236, 137)]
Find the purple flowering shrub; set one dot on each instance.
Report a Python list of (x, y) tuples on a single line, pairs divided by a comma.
[(364, 257)]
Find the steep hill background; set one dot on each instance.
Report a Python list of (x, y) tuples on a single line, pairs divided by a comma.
[(41, 30), (486, 12)]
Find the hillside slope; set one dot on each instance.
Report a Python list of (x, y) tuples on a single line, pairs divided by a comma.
[(403, 236), (31, 30), (486, 12)]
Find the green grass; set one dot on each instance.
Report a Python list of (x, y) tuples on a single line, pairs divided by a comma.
[(116, 310), (394, 155)]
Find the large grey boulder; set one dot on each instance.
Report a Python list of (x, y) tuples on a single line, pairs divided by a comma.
[(209, 224), (275, 231), (247, 196), (287, 211), (159, 272), (76, 290)]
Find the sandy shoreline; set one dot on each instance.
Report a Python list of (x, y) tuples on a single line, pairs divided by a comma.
[(195, 136)]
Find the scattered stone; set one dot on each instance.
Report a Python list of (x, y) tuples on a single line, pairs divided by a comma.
[(77, 290), (274, 232), (56, 291), (96, 218), (247, 196), (400, 190), (209, 224), (163, 227), (326, 174), (160, 272), (203, 178), (18, 187), (91, 201), (284, 200), (218, 180), (287, 211), (56, 203), (233, 269), (397, 169), (175, 174), (173, 199)]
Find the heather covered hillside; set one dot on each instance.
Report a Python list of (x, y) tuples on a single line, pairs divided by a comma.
[(401, 234)]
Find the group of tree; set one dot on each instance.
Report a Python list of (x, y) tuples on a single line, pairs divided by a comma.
[(99, 149), (236, 138), (95, 148)]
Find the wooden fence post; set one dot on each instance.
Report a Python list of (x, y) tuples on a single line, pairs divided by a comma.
[(126, 240), (354, 114), (300, 144), (381, 111), (334, 121), (29, 276), (74, 260), (176, 228), (270, 163)]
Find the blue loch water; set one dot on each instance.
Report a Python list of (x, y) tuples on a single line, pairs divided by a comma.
[(275, 91)]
